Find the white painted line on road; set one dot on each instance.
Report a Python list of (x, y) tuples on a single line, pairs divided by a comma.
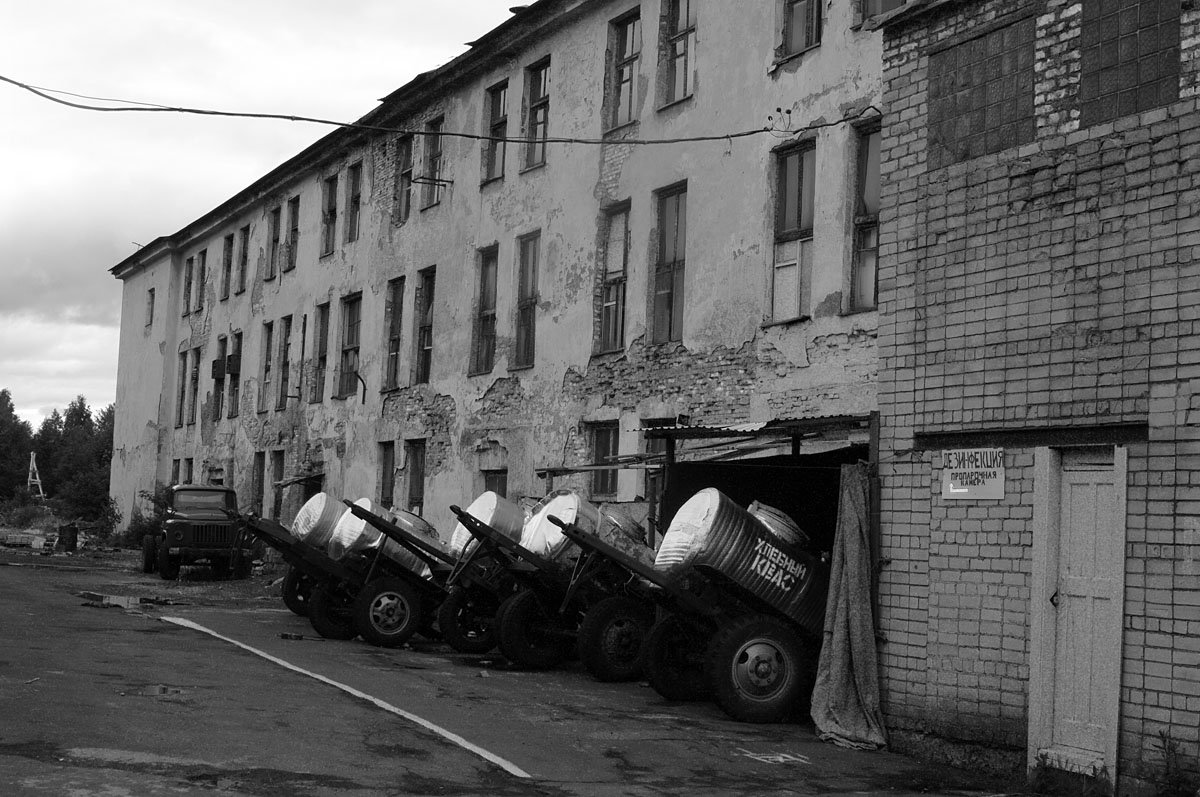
[(504, 764)]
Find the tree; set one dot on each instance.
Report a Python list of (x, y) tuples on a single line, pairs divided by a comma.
[(16, 441), (46, 444)]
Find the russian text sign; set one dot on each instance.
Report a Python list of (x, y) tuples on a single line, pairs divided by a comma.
[(973, 473)]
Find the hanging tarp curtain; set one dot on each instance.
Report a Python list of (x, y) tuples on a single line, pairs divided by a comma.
[(845, 702)]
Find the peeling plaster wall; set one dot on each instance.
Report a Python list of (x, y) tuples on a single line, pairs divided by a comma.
[(729, 366)]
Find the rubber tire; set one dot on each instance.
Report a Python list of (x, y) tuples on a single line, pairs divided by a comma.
[(220, 566), (465, 621), (521, 640), (387, 612), (168, 566), (759, 669), (611, 638), (243, 564), (297, 591), (674, 656), (149, 553), (331, 612)]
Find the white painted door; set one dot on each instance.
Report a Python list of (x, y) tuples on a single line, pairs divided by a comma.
[(1087, 604)]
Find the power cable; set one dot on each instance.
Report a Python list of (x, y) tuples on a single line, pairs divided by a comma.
[(145, 107)]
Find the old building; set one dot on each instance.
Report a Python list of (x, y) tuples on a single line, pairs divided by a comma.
[(1040, 453), (603, 214)]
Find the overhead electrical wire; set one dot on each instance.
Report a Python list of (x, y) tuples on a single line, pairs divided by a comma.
[(135, 106)]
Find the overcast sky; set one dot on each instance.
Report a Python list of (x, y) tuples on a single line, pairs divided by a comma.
[(81, 189)]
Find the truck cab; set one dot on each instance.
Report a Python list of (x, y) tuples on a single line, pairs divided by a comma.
[(201, 525)]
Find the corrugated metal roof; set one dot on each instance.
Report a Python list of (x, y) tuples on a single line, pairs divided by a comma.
[(778, 426)]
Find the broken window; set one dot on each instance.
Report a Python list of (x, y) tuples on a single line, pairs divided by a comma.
[(273, 223), (625, 46), (604, 439), (189, 268), (394, 320), (285, 367), (493, 149), (201, 277), (612, 288), (218, 374), (226, 266), (668, 270), (527, 296), (328, 214), (353, 200), (181, 388), (424, 320), (866, 223), (433, 162), (537, 112), (678, 50), (801, 26), (483, 350), (293, 239), (387, 473), (149, 306), (268, 351), (316, 391), (1130, 58), (404, 178), (414, 467), (351, 329), (194, 386), (791, 274), (243, 257), (233, 367)]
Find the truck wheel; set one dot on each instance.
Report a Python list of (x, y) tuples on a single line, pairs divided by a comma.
[(149, 553), (611, 637), (168, 566), (243, 564), (759, 670), (528, 634), (297, 591), (220, 566), (467, 619), (387, 612), (331, 612), (673, 658)]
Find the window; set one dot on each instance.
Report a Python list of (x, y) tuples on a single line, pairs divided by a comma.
[(194, 386), (873, 8), (866, 223), (226, 266), (276, 488), (678, 50), (393, 322), (1130, 58), (174, 471), (353, 200), (612, 288), (387, 473), (496, 481), (433, 162), (604, 448), (801, 26), (668, 270), (181, 388), (258, 480), (328, 214), (268, 346), (625, 45), (791, 275), (404, 178), (655, 476), (273, 255), (218, 374), (293, 240), (424, 314), (537, 112), (414, 466), (189, 268), (201, 277), (348, 362), (320, 354), (527, 296), (483, 350), (493, 150), (233, 367), (149, 306), (285, 367), (189, 470), (243, 257)]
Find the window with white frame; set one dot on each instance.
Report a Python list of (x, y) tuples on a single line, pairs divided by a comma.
[(669, 265), (625, 48), (678, 51), (527, 296), (483, 349), (791, 274), (612, 286), (497, 131), (801, 26), (537, 112)]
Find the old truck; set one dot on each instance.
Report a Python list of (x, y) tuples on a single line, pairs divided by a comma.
[(201, 525)]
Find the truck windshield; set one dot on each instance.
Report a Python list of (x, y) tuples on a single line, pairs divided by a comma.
[(191, 500)]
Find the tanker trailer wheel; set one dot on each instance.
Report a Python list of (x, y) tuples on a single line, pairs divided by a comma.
[(387, 612), (331, 611), (467, 619), (528, 635), (297, 591), (673, 658), (759, 670), (149, 553), (611, 637), (168, 566)]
